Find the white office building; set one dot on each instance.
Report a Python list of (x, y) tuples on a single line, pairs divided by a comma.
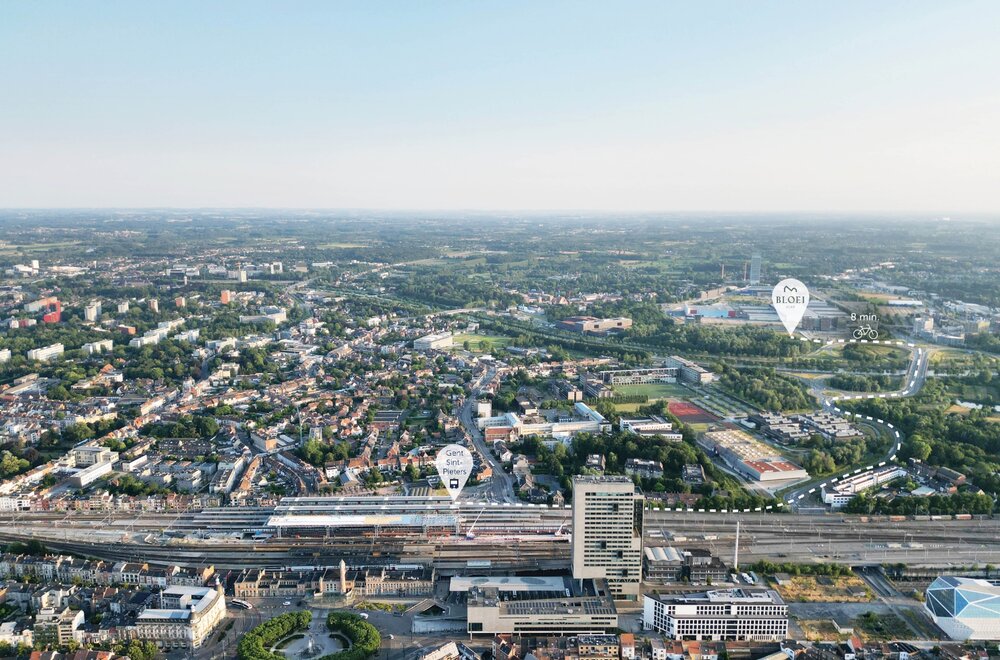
[(92, 311), (46, 353), (102, 346), (438, 341), (729, 615), (185, 618)]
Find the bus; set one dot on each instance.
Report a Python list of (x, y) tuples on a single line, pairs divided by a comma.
[(242, 604)]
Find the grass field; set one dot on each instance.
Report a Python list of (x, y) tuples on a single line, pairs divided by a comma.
[(654, 390), (481, 343)]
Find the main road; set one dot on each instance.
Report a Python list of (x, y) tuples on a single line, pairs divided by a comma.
[(501, 487)]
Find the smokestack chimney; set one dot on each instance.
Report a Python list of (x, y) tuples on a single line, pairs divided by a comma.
[(736, 553)]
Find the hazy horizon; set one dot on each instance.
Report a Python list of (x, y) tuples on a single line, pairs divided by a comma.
[(561, 107)]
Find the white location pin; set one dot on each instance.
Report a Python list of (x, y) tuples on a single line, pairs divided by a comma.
[(454, 465), (790, 299)]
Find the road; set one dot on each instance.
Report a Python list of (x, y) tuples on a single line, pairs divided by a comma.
[(501, 487), (913, 381)]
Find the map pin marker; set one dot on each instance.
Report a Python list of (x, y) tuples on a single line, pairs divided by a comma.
[(790, 299), (454, 465)]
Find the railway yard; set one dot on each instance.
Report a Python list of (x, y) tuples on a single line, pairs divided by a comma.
[(322, 531)]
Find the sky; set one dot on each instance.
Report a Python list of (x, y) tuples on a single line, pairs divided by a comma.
[(601, 106)]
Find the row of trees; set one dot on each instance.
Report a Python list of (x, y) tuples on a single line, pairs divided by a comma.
[(859, 383), (830, 570), (977, 503)]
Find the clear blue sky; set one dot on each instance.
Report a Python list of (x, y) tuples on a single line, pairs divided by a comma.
[(822, 105)]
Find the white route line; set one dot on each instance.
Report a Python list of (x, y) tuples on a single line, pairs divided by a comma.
[(778, 504)]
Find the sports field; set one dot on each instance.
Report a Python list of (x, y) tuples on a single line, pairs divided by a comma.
[(654, 390), (690, 413)]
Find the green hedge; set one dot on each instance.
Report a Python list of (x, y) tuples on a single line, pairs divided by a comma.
[(365, 638), (255, 644)]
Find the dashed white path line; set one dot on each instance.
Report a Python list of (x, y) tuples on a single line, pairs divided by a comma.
[(777, 505)]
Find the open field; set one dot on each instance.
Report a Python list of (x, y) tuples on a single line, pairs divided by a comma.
[(654, 390), (881, 627), (820, 630), (481, 343), (807, 588)]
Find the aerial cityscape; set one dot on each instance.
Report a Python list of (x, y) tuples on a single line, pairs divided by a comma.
[(499, 331)]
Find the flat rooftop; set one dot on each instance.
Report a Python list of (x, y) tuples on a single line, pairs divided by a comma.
[(346, 520), (524, 584)]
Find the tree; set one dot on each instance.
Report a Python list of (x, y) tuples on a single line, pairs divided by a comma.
[(78, 433)]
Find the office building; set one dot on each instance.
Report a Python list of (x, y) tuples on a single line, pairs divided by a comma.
[(268, 314), (650, 426), (965, 608), (92, 311), (154, 305), (540, 605), (729, 615), (594, 325), (755, 260), (663, 565), (439, 341), (85, 455), (839, 493), (607, 533), (640, 376), (645, 469), (185, 618), (689, 372), (102, 346), (88, 475), (46, 353), (57, 627)]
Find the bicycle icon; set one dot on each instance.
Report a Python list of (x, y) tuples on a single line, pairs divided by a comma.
[(866, 332)]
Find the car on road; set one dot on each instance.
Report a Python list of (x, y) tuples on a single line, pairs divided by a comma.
[(287, 603)]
